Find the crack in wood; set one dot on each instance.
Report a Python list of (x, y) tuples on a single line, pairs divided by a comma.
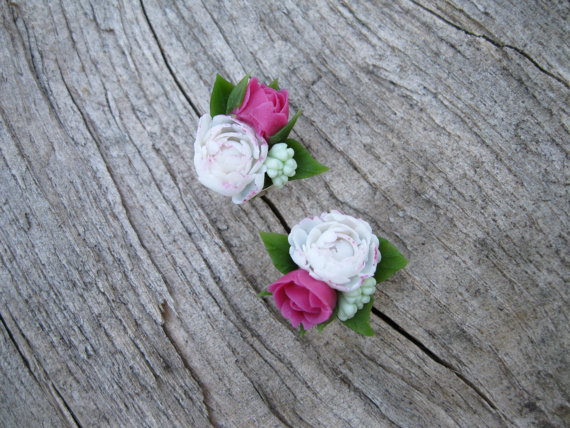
[(13, 340), (168, 66), (167, 316), (272, 408), (433, 356), (67, 407), (276, 212), (350, 384), (33, 67), (59, 400), (493, 42)]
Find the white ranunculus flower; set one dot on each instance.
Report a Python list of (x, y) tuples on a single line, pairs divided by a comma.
[(335, 248), (229, 156)]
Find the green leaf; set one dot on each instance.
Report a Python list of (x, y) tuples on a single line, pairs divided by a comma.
[(391, 261), (307, 166), (263, 293), (277, 246), (360, 322), (274, 85), (236, 96), (302, 330), (283, 133), (220, 93), (322, 325)]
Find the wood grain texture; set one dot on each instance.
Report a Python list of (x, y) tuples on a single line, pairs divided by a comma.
[(128, 289)]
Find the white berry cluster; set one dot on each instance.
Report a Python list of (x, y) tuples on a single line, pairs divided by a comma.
[(351, 301), (280, 164)]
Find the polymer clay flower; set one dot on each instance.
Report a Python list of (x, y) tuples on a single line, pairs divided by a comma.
[(232, 142), (303, 299), (229, 157), (335, 248), (264, 108), (338, 247)]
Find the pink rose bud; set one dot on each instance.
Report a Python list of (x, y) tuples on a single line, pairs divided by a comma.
[(303, 299), (264, 108)]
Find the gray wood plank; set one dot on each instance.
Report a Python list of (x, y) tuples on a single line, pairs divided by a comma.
[(132, 288)]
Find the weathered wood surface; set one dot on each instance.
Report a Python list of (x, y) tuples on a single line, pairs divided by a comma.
[(128, 290)]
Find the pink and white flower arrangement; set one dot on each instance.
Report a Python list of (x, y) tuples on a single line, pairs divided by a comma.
[(332, 264), (233, 152)]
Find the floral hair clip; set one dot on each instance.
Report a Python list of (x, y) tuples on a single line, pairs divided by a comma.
[(331, 265), (242, 146)]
